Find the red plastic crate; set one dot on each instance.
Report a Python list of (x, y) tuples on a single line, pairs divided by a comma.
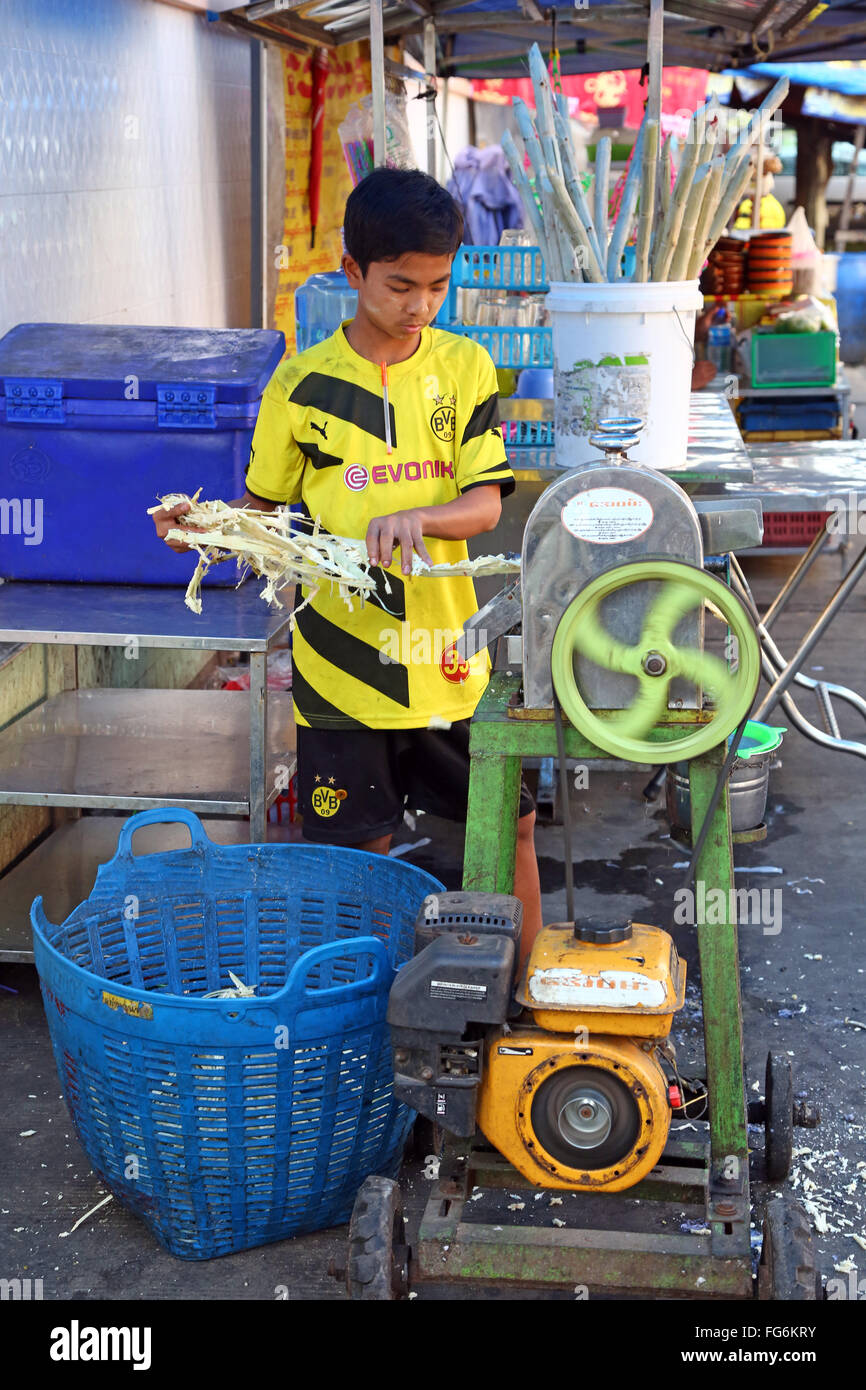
[(792, 528)]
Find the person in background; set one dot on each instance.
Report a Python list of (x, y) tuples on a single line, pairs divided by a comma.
[(703, 370), (484, 189), (772, 213)]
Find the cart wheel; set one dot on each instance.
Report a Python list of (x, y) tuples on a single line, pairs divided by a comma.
[(787, 1273), (655, 660), (778, 1117), (378, 1264)]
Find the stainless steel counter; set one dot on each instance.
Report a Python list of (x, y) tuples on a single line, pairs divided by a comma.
[(802, 477), (113, 615)]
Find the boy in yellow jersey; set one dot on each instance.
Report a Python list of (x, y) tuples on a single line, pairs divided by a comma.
[(389, 431)]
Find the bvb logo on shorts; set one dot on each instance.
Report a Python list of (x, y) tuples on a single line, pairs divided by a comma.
[(326, 800), (443, 421)]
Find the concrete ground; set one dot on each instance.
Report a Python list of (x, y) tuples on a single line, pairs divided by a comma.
[(804, 988)]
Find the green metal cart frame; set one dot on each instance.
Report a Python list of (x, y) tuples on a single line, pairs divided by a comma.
[(718, 1264)]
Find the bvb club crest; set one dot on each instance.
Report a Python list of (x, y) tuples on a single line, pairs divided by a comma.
[(444, 418)]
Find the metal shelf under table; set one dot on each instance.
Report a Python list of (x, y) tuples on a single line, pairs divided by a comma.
[(145, 616), (134, 750)]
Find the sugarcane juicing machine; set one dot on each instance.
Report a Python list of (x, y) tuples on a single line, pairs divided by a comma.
[(559, 1072)]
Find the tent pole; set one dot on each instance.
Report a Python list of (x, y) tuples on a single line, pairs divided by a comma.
[(655, 45), (430, 68), (377, 74), (845, 214), (258, 184)]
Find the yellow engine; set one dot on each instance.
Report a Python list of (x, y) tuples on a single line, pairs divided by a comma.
[(580, 1097)]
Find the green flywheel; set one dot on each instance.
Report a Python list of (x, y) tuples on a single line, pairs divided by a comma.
[(655, 661)]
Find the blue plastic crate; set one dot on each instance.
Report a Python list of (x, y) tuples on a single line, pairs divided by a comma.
[(229, 1123), (512, 347), (531, 457), (529, 443), (500, 268), (811, 413), (532, 433), (96, 421)]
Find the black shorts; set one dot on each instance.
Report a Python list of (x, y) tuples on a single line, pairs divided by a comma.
[(354, 785)]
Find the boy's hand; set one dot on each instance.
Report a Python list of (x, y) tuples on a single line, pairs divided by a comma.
[(401, 529), (167, 519)]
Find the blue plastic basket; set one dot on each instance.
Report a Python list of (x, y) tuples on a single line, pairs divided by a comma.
[(499, 268), (511, 347), (228, 1123), (529, 443)]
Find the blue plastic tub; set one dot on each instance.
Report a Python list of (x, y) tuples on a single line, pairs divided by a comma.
[(851, 304), (97, 421), (321, 304), (228, 1123)]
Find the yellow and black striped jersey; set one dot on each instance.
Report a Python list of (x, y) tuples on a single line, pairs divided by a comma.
[(320, 439)]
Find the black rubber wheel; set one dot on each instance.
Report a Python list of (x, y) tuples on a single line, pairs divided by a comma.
[(378, 1263), (778, 1117), (787, 1272)]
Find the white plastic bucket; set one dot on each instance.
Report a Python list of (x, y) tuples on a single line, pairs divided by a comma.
[(623, 349)]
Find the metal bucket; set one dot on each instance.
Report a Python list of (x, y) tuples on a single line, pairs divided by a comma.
[(749, 782)]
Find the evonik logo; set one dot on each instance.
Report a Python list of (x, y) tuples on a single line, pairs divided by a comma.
[(77, 1343), (356, 476)]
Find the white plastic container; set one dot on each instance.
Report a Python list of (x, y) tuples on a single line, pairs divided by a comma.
[(623, 349)]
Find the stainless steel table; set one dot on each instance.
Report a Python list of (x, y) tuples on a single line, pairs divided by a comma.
[(822, 476), (715, 451), (117, 749), (716, 456)]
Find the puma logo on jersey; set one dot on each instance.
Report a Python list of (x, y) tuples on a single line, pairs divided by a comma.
[(320, 429)]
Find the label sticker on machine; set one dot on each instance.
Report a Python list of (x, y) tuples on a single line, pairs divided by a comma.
[(622, 988), (607, 515), (456, 989)]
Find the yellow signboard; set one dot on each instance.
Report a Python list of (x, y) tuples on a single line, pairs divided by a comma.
[(347, 80)]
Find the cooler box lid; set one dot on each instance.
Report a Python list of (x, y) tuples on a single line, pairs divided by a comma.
[(106, 362)]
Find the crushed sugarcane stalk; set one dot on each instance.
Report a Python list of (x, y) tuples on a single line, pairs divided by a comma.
[(647, 200), (276, 548), (675, 223)]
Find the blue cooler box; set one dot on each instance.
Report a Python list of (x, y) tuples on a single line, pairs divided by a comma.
[(97, 421)]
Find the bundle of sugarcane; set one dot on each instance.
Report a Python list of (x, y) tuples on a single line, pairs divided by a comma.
[(674, 232), (283, 548)]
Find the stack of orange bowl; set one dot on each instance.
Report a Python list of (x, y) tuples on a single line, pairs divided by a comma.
[(769, 265)]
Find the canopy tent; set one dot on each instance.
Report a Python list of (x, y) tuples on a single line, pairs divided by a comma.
[(834, 92), (490, 37), (830, 77)]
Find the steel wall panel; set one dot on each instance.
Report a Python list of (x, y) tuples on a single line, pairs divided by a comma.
[(124, 165)]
